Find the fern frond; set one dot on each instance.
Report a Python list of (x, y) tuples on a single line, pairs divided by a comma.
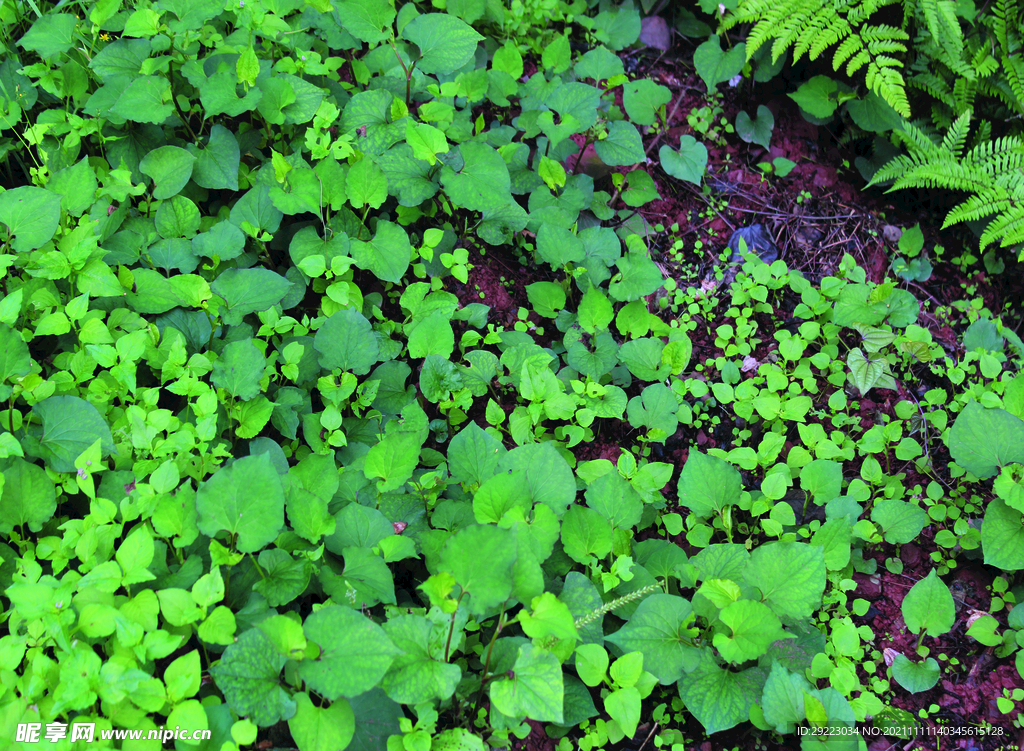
[(933, 85), (940, 19), (957, 135), (1007, 228), (810, 27), (1007, 28)]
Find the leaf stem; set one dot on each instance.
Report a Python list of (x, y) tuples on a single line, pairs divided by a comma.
[(487, 660), (451, 629)]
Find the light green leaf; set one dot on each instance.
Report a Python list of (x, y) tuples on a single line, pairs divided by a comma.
[(346, 341), (480, 558), (245, 499), (316, 728), (791, 577), (686, 164), (708, 484), (929, 606), (536, 690), (446, 43), (622, 146), (662, 629), (170, 168), (982, 439), (31, 214), (70, 426), (752, 629), (248, 674), (715, 66), (355, 653), (916, 677)]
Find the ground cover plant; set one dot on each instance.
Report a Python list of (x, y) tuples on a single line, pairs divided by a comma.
[(390, 376)]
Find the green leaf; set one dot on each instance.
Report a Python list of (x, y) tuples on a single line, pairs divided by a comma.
[(240, 369), (391, 461), (873, 114), (355, 653), (536, 690), (643, 358), (752, 629), (708, 484), (346, 341), (244, 499), (558, 246), (662, 629), (900, 521), (387, 255), (640, 189), (982, 440), (146, 99), (686, 164), (823, 479), (366, 20), (316, 728), (549, 479), (865, 373), (432, 336), (642, 98), (27, 496), (817, 96), (929, 607), (446, 43), (783, 699), (426, 141), (623, 706), (654, 409), (483, 183), (595, 311), (599, 64), (216, 166), (248, 675), (791, 577), (183, 676), (473, 455), (420, 674), (358, 526), (592, 664), (77, 185), (758, 129), (715, 66), (720, 699), (916, 677), (377, 719), (178, 217), (31, 214), (257, 208), (170, 168), (366, 185), (70, 426), (612, 496), (15, 359), (622, 146), (50, 35), (248, 291), (1002, 536), (480, 558)]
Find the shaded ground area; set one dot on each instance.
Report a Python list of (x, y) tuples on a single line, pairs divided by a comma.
[(815, 215)]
